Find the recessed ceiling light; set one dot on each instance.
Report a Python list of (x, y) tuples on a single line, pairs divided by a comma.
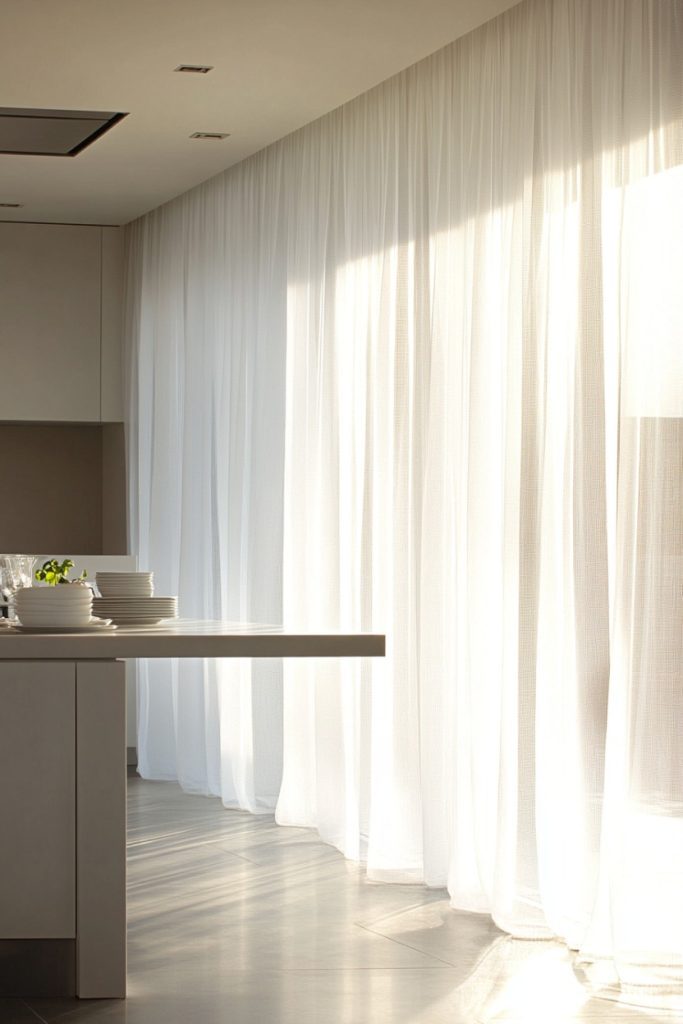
[(210, 135), (194, 69), (11, 206)]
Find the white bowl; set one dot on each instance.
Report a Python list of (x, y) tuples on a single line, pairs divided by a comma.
[(61, 595), (117, 591), (53, 619), (53, 606), (62, 592)]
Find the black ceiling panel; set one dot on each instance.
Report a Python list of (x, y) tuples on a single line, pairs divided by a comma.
[(52, 132)]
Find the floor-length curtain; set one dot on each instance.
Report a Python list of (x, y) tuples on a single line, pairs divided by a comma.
[(481, 283), (206, 337), (474, 268)]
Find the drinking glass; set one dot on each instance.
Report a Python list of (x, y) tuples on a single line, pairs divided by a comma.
[(16, 572)]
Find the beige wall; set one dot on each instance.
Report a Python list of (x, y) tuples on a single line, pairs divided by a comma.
[(63, 488)]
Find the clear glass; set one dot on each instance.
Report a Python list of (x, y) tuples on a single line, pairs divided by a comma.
[(16, 572)]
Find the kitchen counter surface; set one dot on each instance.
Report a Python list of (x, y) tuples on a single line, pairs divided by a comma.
[(186, 638)]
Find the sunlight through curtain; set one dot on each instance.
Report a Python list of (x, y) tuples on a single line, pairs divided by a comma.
[(206, 334), (474, 443)]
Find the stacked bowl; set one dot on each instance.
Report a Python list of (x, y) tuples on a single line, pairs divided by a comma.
[(127, 599), (62, 607), (125, 584)]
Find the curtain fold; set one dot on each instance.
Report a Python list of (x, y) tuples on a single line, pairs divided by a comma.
[(206, 330), (418, 368)]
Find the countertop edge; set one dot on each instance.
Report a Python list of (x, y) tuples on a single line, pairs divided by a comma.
[(189, 641)]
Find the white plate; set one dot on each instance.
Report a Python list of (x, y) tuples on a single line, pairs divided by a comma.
[(127, 621), (106, 611), (104, 625)]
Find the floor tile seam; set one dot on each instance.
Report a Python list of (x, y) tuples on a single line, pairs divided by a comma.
[(186, 854), (231, 853), (406, 945), (420, 904), (34, 1012), (223, 849), (400, 912), (321, 857)]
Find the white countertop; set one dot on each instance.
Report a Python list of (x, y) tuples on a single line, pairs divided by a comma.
[(187, 638)]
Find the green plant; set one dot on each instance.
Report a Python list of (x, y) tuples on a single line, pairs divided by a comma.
[(53, 572)]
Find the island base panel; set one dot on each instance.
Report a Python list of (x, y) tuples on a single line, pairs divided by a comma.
[(101, 829), (37, 782), (63, 825)]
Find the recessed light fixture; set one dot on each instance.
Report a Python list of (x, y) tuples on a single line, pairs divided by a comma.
[(210, 135), (11, 206), (194, 69)]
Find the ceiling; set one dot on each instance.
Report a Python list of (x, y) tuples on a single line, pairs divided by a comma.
[(277, 64)]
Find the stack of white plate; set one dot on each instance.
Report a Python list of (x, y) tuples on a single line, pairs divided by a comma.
[(125, 584), (136, 611), (65, 606)]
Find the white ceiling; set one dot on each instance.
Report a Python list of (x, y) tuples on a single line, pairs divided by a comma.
[(278, 64)]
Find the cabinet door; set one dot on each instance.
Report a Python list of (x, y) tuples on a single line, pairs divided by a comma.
[(50, 335), (112, 328), (37, 800)]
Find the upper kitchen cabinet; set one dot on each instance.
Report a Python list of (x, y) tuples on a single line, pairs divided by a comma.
[(60, 323), (111, 367)]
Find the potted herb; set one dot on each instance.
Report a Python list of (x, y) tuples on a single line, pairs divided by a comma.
[(53, 572)]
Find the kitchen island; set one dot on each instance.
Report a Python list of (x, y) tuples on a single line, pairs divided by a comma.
[(63, 789)]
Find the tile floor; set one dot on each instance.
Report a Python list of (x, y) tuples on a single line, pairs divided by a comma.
[(233, 920)]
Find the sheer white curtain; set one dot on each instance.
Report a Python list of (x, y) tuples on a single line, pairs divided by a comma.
[(476, 265), (206, 328), (483, 458)]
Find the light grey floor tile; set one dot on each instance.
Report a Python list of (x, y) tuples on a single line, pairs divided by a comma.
[(298, 997), (424, 996), (459, 939), (234, 920), (278, 851)]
